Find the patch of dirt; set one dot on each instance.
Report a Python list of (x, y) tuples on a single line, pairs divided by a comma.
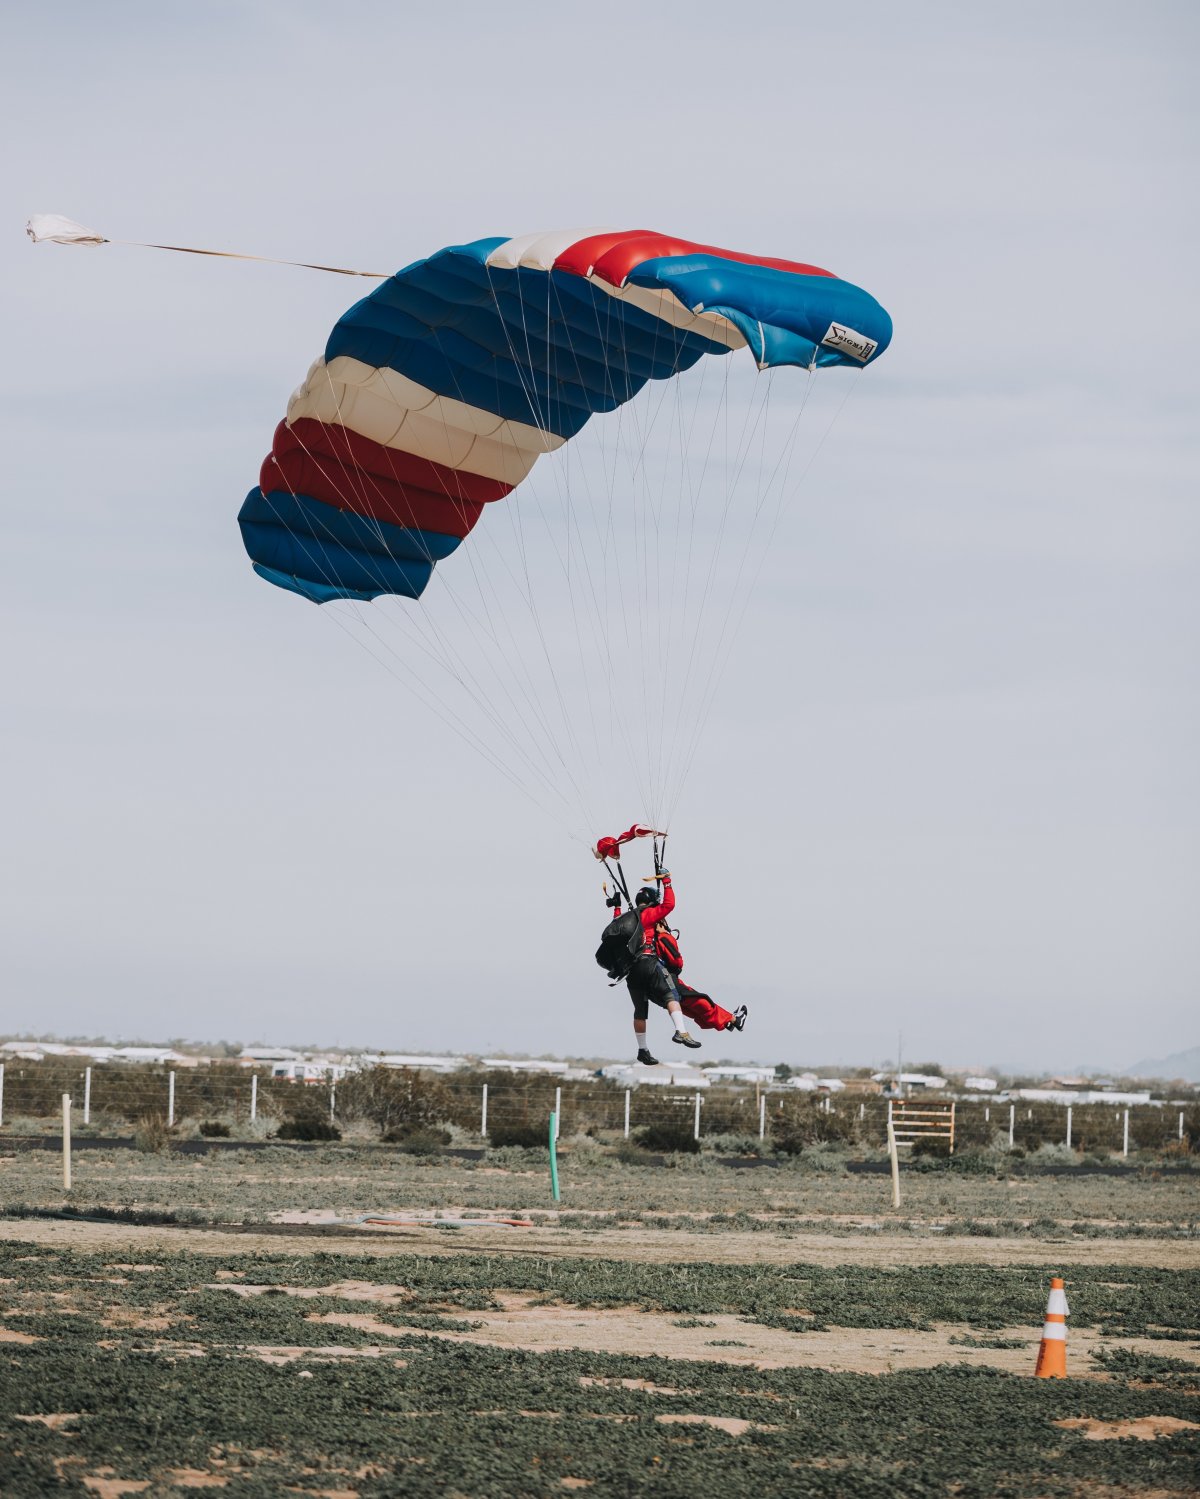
[(55, 1420), (363, 1321), (523, 1322), (734, 1425), (112, 1488), (637, 1245), (139, 1321), (347, 1290), (1143, 1429), (193, 1478), (11, 1335), (272, 1353), (634, 1384)]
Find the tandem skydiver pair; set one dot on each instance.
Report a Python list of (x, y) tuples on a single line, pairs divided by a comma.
[(639, 947)]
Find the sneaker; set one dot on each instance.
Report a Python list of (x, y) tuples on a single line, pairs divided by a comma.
[(681, 1038), (739, 1018), (646, 1059)]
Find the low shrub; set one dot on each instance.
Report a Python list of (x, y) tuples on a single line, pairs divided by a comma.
[(668, 1138), (213, 1129), (152, 1134), (524, 1136), (308, 1126), (418, 1139)]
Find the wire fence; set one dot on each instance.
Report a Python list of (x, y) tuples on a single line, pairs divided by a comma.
[(226, 1100)]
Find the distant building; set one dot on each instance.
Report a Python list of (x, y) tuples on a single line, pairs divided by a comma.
[(920, 1082), (740, 1074), (417, 1063), (980, 1084), (633, 1075), (1080, 1096), (509, 1064), (802, 1082)]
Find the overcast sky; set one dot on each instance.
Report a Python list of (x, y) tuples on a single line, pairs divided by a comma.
[(949, 782)]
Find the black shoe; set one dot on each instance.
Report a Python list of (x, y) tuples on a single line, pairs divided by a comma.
[(681, 1038), (645, 1057), (739, 1018)]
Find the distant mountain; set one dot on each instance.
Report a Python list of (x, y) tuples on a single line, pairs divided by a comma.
[(1182, 1064)]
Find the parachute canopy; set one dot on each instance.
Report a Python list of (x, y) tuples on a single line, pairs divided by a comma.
[(437, 393)]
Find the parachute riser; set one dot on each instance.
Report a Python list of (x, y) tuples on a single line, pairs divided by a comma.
[(618, 878)]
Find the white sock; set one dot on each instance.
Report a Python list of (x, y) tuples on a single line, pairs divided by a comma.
[(640, 1039)]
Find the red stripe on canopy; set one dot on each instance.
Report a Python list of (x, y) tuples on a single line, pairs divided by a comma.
[(613, 256), (343, 469)]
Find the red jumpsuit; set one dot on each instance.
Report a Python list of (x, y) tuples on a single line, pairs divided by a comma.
[(707, 1014)]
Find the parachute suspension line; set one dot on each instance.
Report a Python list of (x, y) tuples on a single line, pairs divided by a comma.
[(601, 606), (413, 622), (786, 497), (708, 601), (691, 488), (687, 746), (517, 521), (428, 695), (533, 399), (618, 879), (417, 622), (529, 694)]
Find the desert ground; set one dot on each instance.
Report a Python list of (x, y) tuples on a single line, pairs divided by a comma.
[(675, 1325)]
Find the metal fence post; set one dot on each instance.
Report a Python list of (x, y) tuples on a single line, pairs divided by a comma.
[(627, 1113), (1125, 1139), (1068, 1126), (170, 1100), (87, 1095), (696, 1126), (987, 1115), (2, 1102), (332, 1097), (557, 1111), (762, 1117), (66, 1107), (483, 1114), (1012, 1124), (254, 1098)]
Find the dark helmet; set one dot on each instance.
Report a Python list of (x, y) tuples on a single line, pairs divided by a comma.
[(646, 896)]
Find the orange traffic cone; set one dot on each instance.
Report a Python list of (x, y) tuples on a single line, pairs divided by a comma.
[(1052, 1355)]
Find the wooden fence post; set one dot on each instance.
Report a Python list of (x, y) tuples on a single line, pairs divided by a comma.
[(895, 1158)]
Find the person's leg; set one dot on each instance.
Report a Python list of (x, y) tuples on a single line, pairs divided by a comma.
[(641, 1009), (664, 993), (700, 1008)]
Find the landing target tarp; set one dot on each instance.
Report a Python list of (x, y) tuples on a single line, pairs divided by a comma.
[(437, 393)]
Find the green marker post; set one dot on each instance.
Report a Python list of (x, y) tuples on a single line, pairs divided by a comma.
[(554, 1154)]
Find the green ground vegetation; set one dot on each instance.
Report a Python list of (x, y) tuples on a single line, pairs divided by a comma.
[(148, 1371)]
